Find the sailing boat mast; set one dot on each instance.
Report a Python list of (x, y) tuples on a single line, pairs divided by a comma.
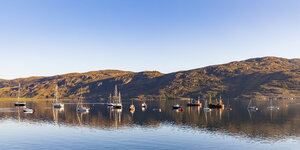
[(19, 91), (56, 94), (119, 97)]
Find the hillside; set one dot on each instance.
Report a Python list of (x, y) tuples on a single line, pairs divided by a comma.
[(258, 77)]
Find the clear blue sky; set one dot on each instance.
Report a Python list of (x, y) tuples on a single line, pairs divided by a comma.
[(49, 37)]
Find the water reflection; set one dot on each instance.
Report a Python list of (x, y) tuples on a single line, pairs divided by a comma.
[(263, 123)]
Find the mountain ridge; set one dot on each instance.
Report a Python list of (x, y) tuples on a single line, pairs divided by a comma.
[(254, 77)]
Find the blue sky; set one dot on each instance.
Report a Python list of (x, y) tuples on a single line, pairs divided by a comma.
[(49, 37)]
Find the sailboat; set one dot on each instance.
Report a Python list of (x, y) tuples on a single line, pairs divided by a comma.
[(28, 110), (117, 99), (206, 108), (271, 107), (194, 102), (228, 107), (251, 106), (18, 103), (57, 104), (80, 107), (110, 104), (217, 105)]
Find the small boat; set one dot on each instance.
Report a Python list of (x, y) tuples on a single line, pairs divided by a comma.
[(57, 104), (271, 107), (177, 106), (228, 107), (110, 104), (144, 105), (217, 105), (117, 99), (132, 107), (28, 110), (206, 108), (156, 109), (179, 110), (83, 109), (194, 102), (251, 106), (80, 107), (18, 103)]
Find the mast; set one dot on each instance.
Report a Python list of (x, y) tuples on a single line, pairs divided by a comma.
[(80, 98), (19, 91), (120, 97), (110, 98), (250, 103), (116, 90), (56, 94)]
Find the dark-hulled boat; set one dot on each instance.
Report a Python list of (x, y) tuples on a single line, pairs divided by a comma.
[(194, 103), (217, 105)]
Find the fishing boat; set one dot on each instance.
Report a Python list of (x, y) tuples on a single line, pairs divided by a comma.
[(251, 106), (206, 108), (80, 107), (57, 104), (194, 102), (28, 110), (217, 105), (117, 102), (18, 103), (271, 107)]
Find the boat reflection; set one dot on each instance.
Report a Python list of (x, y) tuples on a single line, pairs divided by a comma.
[(261, 123)]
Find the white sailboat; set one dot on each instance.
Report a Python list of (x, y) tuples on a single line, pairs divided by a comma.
[(57, 104), (206, 108), (251, 106), (28, 110), (117, 104), (80, 107), (271, 107), (18, 103), (110, 104)]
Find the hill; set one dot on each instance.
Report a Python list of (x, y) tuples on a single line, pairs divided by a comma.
[(258, 77)]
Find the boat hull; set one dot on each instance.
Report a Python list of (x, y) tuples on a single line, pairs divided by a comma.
[(20, 104), (215, 106), (82, 110), (58, 105), (28, 110), (194, 104), (117, 107)]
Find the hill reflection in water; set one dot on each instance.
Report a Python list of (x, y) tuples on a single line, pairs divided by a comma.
[(264, 123)]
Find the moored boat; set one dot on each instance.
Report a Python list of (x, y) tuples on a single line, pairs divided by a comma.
[(57, 104), (117, 102), (28, 110), (218, 105), (194, 102), (18, 103), (177, 106), (80, 107), (251, 107), (144, 105)]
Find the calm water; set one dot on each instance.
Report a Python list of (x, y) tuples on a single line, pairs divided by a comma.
[(104, 128)]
